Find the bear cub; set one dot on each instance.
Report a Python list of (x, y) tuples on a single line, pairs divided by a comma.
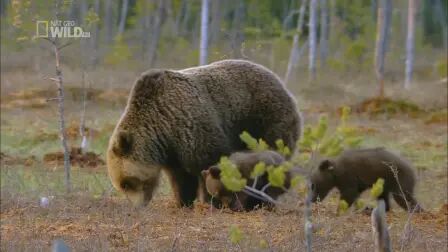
[(245, 162), (354, 171)]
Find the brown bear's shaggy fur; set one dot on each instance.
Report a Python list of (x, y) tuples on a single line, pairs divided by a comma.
[(245, 162), (183, 121), (356, 170)]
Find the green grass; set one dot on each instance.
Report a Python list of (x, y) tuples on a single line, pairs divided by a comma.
[(36, 181)]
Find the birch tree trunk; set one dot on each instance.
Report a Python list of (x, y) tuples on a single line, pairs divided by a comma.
[(410, 39), (203, 46), (123, 16), (324, 21), (312, 39), (294, 55), (382, 36)]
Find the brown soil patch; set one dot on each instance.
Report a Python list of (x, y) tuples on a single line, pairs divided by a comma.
[(386, 105), (88, 159), (439, 117), (116, 96), (6, 159), (73, 131), (38, 98)]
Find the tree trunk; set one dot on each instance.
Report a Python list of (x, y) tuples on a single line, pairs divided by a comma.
[(159, 18), (215, 25), (108, 21), (441, 15), (123, 17), (312, 38), (60, 100), (237, 34), (323, 43), (382, 36), (203, 46), (180, 16), (294, 55), (94, 59), (410, 39), (146, 27)]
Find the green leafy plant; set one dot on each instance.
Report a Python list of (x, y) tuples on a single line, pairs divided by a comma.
[(316, 138), (377, 188), (277, 176), (282, 149), (235, 234), (342, 207), (252, 143), (258, 170), (231, 176)]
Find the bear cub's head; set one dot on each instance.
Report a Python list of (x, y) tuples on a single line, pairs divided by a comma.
[(215, 187), (323, 180)]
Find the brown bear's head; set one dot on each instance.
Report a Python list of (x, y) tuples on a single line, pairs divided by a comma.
[(136, 178), (215, 187), (323, 180)]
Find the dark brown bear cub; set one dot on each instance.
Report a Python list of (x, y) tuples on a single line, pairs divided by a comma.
[(357, 170), (245, 162)]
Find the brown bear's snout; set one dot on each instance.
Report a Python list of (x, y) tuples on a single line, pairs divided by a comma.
[(137, 191)]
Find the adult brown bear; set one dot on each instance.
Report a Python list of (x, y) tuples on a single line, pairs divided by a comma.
[(183, 121)]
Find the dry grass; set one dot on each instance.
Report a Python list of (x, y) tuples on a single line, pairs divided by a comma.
[(95, 218)]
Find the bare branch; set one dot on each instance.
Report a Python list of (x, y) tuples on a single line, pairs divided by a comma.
[(53, 99), (308, 224)]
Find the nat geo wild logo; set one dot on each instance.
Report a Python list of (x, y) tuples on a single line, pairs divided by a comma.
[(60, 29)]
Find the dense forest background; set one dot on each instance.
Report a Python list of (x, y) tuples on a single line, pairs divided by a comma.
[(156, 33)]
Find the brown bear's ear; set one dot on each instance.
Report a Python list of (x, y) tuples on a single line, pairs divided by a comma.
[(326, 165), (124, 144), (215, 172), (149, 83)]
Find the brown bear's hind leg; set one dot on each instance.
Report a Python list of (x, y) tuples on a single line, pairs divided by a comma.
[(184, 186)]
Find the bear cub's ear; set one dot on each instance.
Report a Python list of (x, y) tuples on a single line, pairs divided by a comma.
[(205, 173), (215, 172), (326, 165), (123, 146)]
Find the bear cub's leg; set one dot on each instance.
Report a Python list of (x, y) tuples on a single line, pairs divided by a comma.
[(349, 195), (401, 201)]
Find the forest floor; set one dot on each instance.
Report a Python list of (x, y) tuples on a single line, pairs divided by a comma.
[(94, 217)]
